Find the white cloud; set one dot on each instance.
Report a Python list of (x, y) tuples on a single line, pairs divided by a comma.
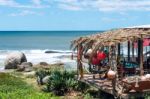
[(8, 3), (25, 13), (107, 5), (69, 7), (101, 5), (36, 2), (13, 3), (122, 5)]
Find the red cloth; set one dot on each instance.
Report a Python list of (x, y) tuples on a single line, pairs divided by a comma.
[(95, 61), (101, 55), (146, 42)]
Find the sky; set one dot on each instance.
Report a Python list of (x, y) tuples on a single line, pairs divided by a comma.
[(59, 15)]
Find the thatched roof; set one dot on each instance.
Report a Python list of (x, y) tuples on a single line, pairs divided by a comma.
[(111, 37)]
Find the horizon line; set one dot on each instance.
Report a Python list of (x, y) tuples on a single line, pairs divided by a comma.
[(46, 30)]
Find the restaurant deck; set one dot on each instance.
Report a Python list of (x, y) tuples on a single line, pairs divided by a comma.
[(106, 86)]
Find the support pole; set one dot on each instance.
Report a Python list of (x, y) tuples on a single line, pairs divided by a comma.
[(128, 50), (119, 49), (109, 54), (119, 66), (133, 57), (140, 55), (139, 50), (79, 63), (113, 63)]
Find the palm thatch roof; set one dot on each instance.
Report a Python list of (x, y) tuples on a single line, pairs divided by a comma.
[(111, 37)]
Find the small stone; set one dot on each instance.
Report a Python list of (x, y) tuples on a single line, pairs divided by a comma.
[(20, 68), (45, 79), (43, 63), (28, 69)]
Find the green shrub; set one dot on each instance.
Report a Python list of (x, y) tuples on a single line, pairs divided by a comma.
[(41, 74), (61, 82), (88, 96)]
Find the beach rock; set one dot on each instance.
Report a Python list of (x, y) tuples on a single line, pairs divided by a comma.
[(43, 63), (14, 59), (25, 66), (20, 68), (45, 79), (29, 69), (52, 52)]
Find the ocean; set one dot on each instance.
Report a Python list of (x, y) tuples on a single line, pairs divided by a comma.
[(35, 43)]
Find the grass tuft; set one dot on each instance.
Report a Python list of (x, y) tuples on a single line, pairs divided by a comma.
[(15, 88)]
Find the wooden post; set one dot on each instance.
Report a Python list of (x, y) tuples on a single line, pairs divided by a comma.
[(133, 57), (113, 62), (119, 66), (119, 49), (72, 56), (139, 50), (79, 63), (109, 50), (140, 55), (128, 50)]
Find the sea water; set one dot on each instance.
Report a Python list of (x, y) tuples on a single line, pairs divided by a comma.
[(35, 43)]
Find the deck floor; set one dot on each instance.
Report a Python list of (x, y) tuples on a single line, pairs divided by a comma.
[(106, 86)]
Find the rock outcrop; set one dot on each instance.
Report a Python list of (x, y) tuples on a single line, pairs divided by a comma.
[(14, 59)]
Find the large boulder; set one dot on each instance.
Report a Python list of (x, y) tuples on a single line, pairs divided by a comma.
[(14, 59)]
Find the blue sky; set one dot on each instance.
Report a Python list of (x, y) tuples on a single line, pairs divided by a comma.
[(72, 14)]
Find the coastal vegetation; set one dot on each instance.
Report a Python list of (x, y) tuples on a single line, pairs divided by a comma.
[(12, 87), (60, 84)]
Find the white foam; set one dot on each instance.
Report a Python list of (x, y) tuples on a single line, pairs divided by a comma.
[(36, 56)]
